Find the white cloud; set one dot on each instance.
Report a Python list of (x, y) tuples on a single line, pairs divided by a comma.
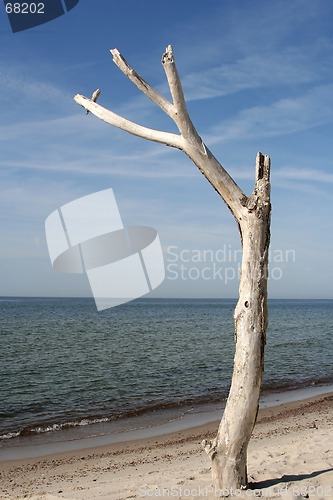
[(253, 71), (284, 116), (76, 144), (18, 83), (304, 174)]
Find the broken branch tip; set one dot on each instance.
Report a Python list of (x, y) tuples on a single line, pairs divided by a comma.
[(168, 55)]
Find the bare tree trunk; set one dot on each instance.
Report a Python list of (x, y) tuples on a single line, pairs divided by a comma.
[(228, 451)]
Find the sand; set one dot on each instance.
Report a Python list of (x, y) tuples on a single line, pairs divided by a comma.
[(290, 456)]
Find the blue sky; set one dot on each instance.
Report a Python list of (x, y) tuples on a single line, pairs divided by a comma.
[(257, 77)]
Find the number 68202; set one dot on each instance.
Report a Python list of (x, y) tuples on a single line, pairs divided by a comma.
[(24, 8)]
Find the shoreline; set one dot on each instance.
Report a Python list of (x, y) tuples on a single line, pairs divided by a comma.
[(64, 441), (291, 446)]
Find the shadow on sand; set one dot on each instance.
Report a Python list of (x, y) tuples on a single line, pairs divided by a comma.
[(285, 479)]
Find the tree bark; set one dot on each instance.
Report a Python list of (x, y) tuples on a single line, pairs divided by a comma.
[(228, 451)]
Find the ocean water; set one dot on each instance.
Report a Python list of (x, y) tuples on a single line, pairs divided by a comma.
[(64, 365)]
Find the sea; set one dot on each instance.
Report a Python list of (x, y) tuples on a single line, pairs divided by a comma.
[(68, 372)]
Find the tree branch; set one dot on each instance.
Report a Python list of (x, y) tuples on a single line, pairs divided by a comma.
[(189, 141), (181, 116), (133, 128), (219, 178), (142, 85)]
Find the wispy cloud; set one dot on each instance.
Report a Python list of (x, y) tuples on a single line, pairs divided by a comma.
[(16, 83), (135, 166), (282, 117), (251, 72), (80, 145), (304, 174)]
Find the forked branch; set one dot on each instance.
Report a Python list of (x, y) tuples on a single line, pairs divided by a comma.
[(142, 85), (188, 140)]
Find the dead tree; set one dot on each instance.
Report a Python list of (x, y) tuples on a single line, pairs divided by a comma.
[(228, 451)]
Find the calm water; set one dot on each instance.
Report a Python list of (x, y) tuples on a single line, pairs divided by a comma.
[(63, 364)]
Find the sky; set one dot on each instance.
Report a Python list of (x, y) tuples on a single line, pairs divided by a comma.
[(257, 76)]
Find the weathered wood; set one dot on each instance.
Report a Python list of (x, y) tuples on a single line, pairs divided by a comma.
[(133, 128), (228, 451), (142, 85)]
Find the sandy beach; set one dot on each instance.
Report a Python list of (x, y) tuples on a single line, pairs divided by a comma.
[(290, 456)]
